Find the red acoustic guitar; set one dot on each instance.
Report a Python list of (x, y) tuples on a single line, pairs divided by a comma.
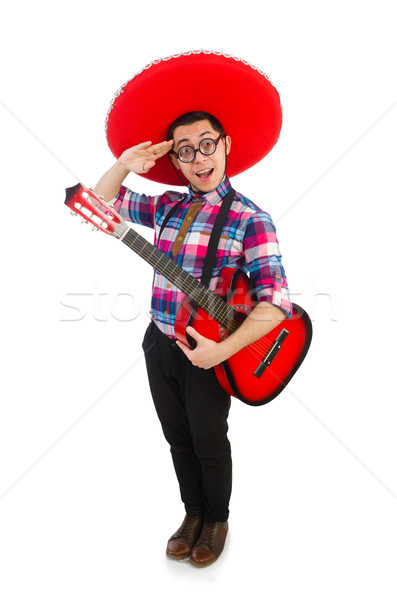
[(257, 373)]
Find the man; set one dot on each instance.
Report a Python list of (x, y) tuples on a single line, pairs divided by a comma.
[(191, 404)]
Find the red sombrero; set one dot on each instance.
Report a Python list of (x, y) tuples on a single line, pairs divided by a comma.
[(240, 96)]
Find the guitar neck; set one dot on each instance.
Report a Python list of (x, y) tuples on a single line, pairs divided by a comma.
[(212, 304)]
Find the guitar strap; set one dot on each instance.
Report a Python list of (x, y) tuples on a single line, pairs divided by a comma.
[(215, 233), (220, 220)]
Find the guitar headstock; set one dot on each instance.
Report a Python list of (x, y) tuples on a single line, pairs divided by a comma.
[(93, 209)]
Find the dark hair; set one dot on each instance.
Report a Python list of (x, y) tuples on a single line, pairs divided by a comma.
[(192, 117)]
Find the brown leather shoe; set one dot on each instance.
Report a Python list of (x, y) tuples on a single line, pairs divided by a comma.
[(180, 544), (210, 544)]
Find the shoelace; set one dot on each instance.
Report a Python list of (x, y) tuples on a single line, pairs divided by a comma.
[(186, 526), (207, 534)]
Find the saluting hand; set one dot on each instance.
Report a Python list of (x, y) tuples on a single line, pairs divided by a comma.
[(141, 158)]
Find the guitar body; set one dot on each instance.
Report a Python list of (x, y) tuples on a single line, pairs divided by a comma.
[(237, 374)]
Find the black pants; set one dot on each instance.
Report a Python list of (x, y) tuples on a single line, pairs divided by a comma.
[(193, 410)]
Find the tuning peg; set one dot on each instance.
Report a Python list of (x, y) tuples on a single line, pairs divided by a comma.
[(92, 190), (74, 214), (94, 228), (83, 221)]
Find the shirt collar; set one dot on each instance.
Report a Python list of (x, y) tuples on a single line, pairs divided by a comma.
[(216, 195)]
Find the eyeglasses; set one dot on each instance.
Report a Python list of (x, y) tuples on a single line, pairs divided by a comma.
[(207, 146)]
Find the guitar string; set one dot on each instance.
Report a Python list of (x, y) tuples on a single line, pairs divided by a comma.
[(222, 309), (221, 312), (190, 284), (260, 346)]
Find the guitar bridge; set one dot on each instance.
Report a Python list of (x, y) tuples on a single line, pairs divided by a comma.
[(269, 357)]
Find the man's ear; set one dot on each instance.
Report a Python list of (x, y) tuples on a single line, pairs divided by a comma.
[(174, 161), (228, 142)]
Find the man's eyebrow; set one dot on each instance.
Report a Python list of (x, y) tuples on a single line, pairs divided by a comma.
[(187, 139)]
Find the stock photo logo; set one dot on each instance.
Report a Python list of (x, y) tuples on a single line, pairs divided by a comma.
[(124, 305), (128, 304)]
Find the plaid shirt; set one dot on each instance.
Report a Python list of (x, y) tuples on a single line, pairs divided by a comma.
[(248, 242)]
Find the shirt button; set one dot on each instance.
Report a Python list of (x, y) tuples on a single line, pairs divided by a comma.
[(170, 336), (166, 312), (180, 238), (189, 219), (278, 276), (168, 285)]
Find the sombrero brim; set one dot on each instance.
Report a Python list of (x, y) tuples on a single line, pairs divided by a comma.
[(240, 96)]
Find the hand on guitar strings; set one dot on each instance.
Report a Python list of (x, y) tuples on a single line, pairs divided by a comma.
[(206, 354)]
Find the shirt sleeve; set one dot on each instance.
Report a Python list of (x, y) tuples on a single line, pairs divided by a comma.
[(263, 258), (136, 208)]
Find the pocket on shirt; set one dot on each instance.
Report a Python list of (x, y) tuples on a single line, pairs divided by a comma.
[(224, 244), (226, 237)]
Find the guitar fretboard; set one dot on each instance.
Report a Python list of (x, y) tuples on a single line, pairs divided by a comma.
[(212, 304)]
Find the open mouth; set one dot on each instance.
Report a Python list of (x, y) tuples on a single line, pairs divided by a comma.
[(205, 174)]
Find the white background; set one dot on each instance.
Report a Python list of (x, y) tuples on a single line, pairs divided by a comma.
[(88, 496)]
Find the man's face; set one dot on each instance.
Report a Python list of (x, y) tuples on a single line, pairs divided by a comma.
[(204, 173)]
